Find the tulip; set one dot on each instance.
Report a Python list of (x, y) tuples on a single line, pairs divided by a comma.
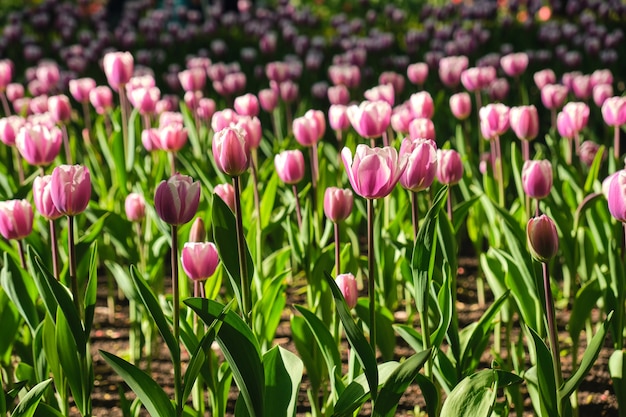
[(206, 108), (290, 166), (199, 260), (588, 151), (70, 189), (118, 68), (348, 286), (197, 233), (449, 166), (176, 200), (268, 99), (230, 151), (524, 121), (172, 137), (450, 69), (135, 207), (373, 172), (616, 195), (601, 93), (514, 64), (401, 117), (309, 129), (421, 156), (39, 145), (9, 128), (422, 105), (338, 117), (192, 79), (43, 198), (222, 119), (14, 91), (338, 94), (247, 105), (371, 118), (578, 113), (461, 105), (537, 178), (422, 128), (338, 203), (251, 125), (227, 193), (101, 99), (417, 73), (581, 86), (348, 75), (543, 239), (48, 75), (614, 111), (471, 80), (553, 96), (382, 92), (16, 219), (144, 99), (39, 104), (394, 79), (6, 74), (494, 120), (60, 108), (288, 91), (544, 77), (498, 89), (81, 87), (601, 76)]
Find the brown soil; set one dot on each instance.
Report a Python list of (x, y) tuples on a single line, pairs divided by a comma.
[(596, 397)]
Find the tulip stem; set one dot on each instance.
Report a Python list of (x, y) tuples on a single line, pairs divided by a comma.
[(54, 249), (371, 267), (337, 251), (5, 104), (500, 169), (20, 168), (553, 119), (72, 264), (298, 210), (124, 114), (241, 249), (20, 250), (415, 213), (176, 323), (87, 116), (259, 227), (66, 145), (552, 331), (616, 151)]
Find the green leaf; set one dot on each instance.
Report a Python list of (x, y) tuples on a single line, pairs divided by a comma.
[(594, 169), (589, 357), (13, 284), (397, 383), (144, 386), (474, 396), (430, 393), (117, 152), (3, 401), (44, 410), (545, 374), (154, 308), (70, 358), (309, 351), (28, 404), (584, 302), (356, 338), (240, 349), (268, 199), (617, 368), (95, 230), (132, 139), (283, 373), (460, 212), (91, 292), (385, 340)]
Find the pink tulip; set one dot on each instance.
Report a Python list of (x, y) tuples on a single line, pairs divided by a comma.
[(348, 286), (39, 145), (587, 152), (338, 94), (193, 79), (222, 119), (118, 68), (581, 86), (150, 139), (601, 76), (199, 260), (192, 99), (524, 121), (494, 120), (601, 92), (81, 87), (565, 126), (227, 193), (449, 166), (176, 200), (544, 77), (252, 128), (374, 172), (247, 105), (277, 71), (461, 105), (470, 78), (288, 91), (421, 168), (616, 195), (230, 151), (22, 106), (139, 81), (422, 128), (422, 105), (417, 73), (135, 207), (43, 198), (348, 75), (70, 189), (401, 117), (450, 69), (206, 108), (14, 91), (169, 117), (382, 92), (101, 99), (514, 64), (9, 128), (39, 104), (498, 89), (537, 178), (578, 113), (197, 233), (60, 108), (338, 203), (144, 99), (542, 237), (268, 99), (6, 73), (613, 111), (371, 118), (553, 96), (290, 166), (338, 117), (48, 75), (16, 219), (172, 137), (394, 79)]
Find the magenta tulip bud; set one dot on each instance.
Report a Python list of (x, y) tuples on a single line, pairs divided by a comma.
[(199, 260), (401, 117), (309, 129), (6, 73), (192, 99), (422, 105), (394, 79), (544, 77), (338, 117), (198, 231), (370, 119), (373, 172), (22, 106), (553, 96), (587, 152), (461, 105), (70, 188), (268, 99), (247, 105), (581, 86), (471, 80), (601, 93), (206, 108), (450, 69), (290, 166), (223, 118), (39, 145), (252, 128), (101, 99), (348, 75), (422, 128), (192, 79), (524, 121), (16, 219), (498, 89), (347, 286), (494, 120), (606, 183), (421, 167), (382, 92), (135, 207), (14, 91), (449, 166), (9, 128), (543, 239), (118, 68), (176, 200), (565, 126), (172, 137), (578, 113), (230, 151), (338, 94), (150, 139), (514, 64), (227, 193), (48, 75), (537, 178), (60, 108), (81, 87), (601, 76), (144, 99), (616, 195), (39, 104), (338, 203), (613, 111), (417, 73), (43, 198)]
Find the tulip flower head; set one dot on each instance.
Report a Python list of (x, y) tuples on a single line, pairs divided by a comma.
[(494, 120), (43, 198), (338, 203), (81, 87), (227, 193), (290, 166), (247, 105), (544, 77), (524, 121), (422, 128), (553, 96), (371, 118), (417, 73), (421, 155), (537, 178), (515, 64), (614, 111), (461, 105), (422, 105), (542, 237), (16, 219), (135, 207), (9, 127), (449, 166), (118, 68), (348, 286), (176, 200), (616, 195), (199, 260), (230, 151), (39, 145), (70, 188)]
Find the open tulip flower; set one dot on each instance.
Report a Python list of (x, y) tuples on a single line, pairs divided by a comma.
[(371, 118), (70, 189), (176, 200)]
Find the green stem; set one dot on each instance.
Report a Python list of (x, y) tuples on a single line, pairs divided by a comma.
[(414, 213), (20, 250), (72, 265), (552, 332), (241, 249), (54, 248), (371, 268), (337, 251), (176, 323), (616, 151), (124, 114), (18, 163)]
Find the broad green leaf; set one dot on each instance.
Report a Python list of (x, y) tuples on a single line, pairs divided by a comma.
[(118, 153), (12, 282), (385, 339), (447, 242), (474, 396), (132, 139), (444, 306), (44, 410), (545, 374), (144, 386), (308, 351), (95, 230), (240, 349), (91, 292), (70, 357), (430, 393), (398, 382), (283, 373), (589, 357), (617, 368), (3, 402), (356, 338), (594, 169), (460, 212), (585, 301), (28, 404), (268, 198)]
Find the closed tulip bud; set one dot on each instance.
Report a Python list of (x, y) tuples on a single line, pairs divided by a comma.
[(222, 119), (421, 167), (348, 286), (172, 137), (422, 128), (16, 219), (565, 126), (22, 106), (118, 68), (616, 195), (371, 118), (268, 99), (601, 92), (338, 94), (70, 188), (198, 231), (498, 89), (144, 99), (60, 108), (176, 200), (494, 120), (192, 79), (230, 151), (449, 166), (587, 152), (101, 98), (514, 64), (206, 108), (450, 69), (524, 122), (338, 117), (581, 86), (537, 178), (39, 145), (396, 80), (553, 96), (9, 128), (544, 77), (6, 73), (578, 113), (382, 92), (288, 91), (39, 104), (422, 105), (417, 73), (461, 105), (252, 128), (543, 239), (470, 78), (135, 207), (192, 99), (14, 91), (401, 117), (601, 76), (290, 166), (373, 172), (338, 203), (614, 111), (199, 260), (227, 193), (81, 87), (247, 105)]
